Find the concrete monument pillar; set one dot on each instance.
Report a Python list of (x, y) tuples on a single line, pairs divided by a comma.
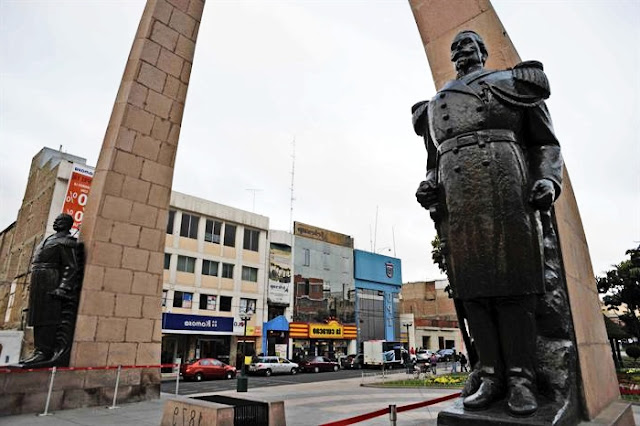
[(438, 22), (119, 316)]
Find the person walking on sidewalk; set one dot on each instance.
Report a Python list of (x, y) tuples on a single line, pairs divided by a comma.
[(433, 361)]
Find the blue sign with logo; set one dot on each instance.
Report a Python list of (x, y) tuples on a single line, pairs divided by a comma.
[(196, 323)]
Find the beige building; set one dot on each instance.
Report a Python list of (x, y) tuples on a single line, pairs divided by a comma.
[(432, 315), (43, 200), (214, 271)]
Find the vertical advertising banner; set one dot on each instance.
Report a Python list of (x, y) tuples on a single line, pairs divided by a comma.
[(279, 274), (77, 193)]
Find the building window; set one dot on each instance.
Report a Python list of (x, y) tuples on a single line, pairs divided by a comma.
[(208, 302), (225, 303), (230, 235), (307, 257), (249, 274), (210, 267), (251, 239), (170, 220), (167, 261), (212, 231), (182, 299), (227, 270), (164, 297), (247, 305), (189, 226), (186, 264)]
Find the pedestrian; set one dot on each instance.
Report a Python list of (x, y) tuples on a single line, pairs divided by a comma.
[(454, 361), (433, 361), (463, 363)]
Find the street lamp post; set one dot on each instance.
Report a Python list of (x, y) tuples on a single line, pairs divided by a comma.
[(243, 380), (408, 324)]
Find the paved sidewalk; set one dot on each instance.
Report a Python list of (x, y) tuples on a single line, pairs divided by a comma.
[(306, 404)]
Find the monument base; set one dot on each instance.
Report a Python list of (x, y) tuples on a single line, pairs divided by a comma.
[(549, 413), (26, 392), (618, 413)]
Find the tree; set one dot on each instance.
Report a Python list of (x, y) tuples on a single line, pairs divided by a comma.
[(621, 290), (437, 255)]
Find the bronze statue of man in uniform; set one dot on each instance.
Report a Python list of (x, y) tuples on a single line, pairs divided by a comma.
[(493, 165), (56, 276)]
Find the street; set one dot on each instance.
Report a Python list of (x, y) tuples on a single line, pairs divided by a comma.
[(219, 385)]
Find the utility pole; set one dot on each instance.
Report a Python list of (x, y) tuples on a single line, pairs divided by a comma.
[(293, 173)]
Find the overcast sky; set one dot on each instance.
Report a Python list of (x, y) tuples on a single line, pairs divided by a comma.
[(339, 77)]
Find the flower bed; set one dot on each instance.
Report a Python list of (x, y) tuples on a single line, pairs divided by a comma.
[(443, 381)]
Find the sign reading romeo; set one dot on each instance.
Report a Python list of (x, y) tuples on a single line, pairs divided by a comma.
[(196, 323)]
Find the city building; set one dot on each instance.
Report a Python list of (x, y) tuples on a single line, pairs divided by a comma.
[(378, 281), (324, 293), (275, 332), (435, 323), (215, 270), (307, 292)]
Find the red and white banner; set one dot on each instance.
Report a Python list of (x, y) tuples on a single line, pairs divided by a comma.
[(78, 193)]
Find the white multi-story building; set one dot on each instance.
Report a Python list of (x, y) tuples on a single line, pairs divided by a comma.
[(215, 270)]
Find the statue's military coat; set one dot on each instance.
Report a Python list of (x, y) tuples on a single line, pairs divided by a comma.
[(489, 137), (56, 262)]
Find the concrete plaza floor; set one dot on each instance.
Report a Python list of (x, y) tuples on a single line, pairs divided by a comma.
[(305, 405)]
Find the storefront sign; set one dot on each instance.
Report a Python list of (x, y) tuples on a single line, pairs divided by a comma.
[(332, 330), (196, 323), (238, 328), (77, 193), (320, 234), (278, 290)]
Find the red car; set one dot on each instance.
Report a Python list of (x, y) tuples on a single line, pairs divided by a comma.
[(317, 364), (206, 368)]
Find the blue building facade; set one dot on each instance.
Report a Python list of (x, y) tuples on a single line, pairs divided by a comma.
[(378, 281)]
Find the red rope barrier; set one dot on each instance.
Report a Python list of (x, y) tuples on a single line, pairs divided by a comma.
[(106, 367), (371, 415)]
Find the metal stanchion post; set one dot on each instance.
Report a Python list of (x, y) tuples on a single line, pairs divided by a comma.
[(46, 406), (178, 377), (393, 415), (115, 391)]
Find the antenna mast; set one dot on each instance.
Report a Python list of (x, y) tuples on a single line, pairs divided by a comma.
[(293, 172)]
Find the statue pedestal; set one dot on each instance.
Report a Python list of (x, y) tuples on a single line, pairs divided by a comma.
[(549, 413)]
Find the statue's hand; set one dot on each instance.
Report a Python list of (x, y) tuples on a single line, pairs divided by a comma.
[(427, 193), (542, 194)]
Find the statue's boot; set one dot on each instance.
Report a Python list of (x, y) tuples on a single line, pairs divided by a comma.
[(37, 357), (472, 384), (490, 390), (60, 356), (521, 398)]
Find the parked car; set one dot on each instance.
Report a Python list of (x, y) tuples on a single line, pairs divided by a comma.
[(317, 364), (206, 368), (353, 361), (269, 365), (423, 355), (445, 355)]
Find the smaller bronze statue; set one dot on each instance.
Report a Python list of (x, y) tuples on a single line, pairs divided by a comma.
[(56, 276)]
